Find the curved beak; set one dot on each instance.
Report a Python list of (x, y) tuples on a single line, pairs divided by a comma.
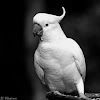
[(37, 29)]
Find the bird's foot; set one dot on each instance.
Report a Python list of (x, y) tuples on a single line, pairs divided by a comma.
[(82, 96), (58, 93), (86, 98)]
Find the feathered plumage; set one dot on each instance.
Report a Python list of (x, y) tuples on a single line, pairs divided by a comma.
[(58, 60)]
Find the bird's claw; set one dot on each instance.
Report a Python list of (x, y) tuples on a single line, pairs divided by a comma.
[(58, 93)]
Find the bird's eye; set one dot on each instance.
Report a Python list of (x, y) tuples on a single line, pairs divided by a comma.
[(46, 24)]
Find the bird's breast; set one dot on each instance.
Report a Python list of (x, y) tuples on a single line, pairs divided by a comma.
[(59, 69), (54, 53)]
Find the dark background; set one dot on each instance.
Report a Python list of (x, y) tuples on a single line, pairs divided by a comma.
[(82, 23)]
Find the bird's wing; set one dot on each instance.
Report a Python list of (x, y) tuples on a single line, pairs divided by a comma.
[(81, 69), (78, 56), (38, 69)]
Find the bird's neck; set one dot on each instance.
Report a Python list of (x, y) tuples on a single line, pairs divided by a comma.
[(54, 35)]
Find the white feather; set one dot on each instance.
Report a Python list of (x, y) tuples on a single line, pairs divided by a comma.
[(59, 61)]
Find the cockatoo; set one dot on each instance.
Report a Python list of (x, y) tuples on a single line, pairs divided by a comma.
[(59, 61)]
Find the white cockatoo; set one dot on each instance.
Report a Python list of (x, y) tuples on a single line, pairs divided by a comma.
[(59, 61)]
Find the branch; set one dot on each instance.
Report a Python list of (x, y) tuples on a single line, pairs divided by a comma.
[(53, 96)]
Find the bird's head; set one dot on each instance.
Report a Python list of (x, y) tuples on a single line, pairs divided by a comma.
[(42, 22)]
